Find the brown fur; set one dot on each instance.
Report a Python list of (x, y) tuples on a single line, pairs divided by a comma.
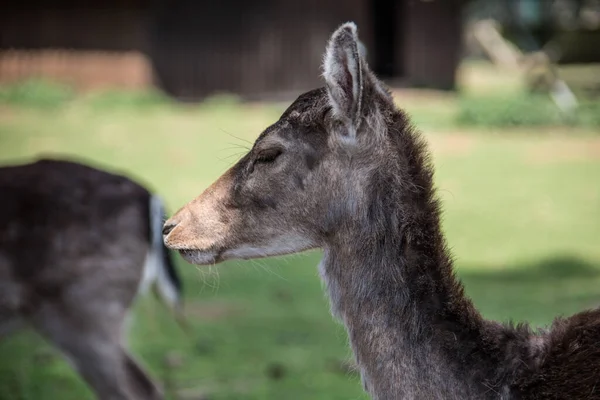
[(343, 169)]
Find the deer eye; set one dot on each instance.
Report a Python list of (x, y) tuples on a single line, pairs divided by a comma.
[(268, 156)]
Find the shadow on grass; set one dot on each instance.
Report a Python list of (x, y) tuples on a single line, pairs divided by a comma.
[(546, 270), (537, 292)]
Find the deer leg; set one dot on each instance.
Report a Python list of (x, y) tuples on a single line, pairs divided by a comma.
[(96, 352), (10, 302), (138, 380)]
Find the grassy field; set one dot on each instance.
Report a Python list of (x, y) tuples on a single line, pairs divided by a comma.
[(522, 216)]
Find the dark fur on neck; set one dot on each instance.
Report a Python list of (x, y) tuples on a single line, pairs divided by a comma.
[(414, 332)]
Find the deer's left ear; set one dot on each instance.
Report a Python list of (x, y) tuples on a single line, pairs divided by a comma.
[(344, 73)]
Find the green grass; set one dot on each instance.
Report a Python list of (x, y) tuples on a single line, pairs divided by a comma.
[(522, 215), (493, 97), (524, 110), (36, 93)]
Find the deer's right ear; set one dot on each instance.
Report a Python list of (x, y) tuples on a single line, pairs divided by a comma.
[(343, 70)]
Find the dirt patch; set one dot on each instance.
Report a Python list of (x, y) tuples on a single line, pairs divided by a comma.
[(421, 95), (212, 310), (7, 114), (412, 100), (451, 144), (564, 150)]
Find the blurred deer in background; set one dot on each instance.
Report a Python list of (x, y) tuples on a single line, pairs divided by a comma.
[(344, 170), (77, 245)]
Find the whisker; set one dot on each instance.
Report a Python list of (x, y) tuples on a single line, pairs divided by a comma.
[(231, 155), (235, 137)]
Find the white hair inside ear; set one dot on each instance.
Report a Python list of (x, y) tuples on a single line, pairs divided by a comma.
[(344, 76), (362, 50)]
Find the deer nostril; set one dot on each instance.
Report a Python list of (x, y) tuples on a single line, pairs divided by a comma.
[(168, 227)]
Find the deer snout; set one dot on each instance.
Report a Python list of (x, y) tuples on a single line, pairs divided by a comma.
[(176, 232), (168, 227), (172, 223), (203, 224), (197, 226)]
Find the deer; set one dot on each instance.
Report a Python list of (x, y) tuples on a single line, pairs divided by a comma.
[(344, 170), (78, 244)]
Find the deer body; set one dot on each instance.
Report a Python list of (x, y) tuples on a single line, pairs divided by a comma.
[(344, 170), (77, 244)]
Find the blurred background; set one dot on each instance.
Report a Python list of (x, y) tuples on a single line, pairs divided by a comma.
[(174, 92)]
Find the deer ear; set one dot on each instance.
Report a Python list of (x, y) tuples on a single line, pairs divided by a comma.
[(343, 70)]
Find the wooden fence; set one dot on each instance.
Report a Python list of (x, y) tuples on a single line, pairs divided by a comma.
[(81, 69)]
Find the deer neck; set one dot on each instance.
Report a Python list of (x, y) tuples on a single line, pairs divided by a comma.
[(413, 332)]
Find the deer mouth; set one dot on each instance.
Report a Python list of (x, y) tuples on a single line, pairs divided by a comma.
[(199, 257)]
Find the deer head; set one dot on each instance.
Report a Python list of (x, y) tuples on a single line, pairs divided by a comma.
[(307, 176)]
